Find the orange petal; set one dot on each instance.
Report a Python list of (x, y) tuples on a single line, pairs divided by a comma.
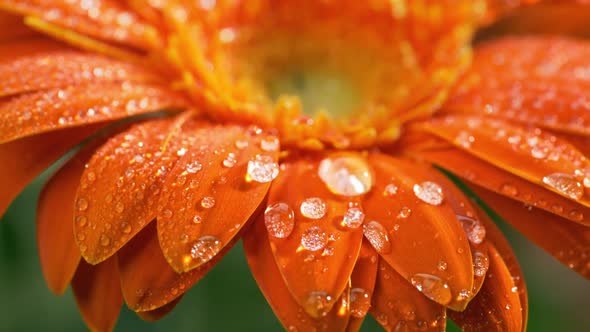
[(531, 154), (98, 294), (207, 197), (121, 185), (60, 69), (106, 19), (148, 282), (12, 28), (22, 160), (427, 229), (566, 241), (499, 181), (398, 306), (533, 80), (497, 306), (362, 281), (50, 110), (290, 313), (159, 313), (317, 257), (28, 47)]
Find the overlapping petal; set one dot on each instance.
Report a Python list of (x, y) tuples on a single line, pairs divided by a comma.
[(362, 285)]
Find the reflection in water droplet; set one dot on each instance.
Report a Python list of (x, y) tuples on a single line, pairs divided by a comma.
[(360, 302), (279, 219), (262, 169), (346, 175), (318, 304), (377, 236), (433, 287), (313, 208), (353, 218), (205, 248), (429, 192), (565, 184), (314, 239)]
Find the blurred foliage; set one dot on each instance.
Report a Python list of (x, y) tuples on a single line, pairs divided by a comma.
[(228, 298)]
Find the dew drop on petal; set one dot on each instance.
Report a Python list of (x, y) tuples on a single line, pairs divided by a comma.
[(270, 143), (279, 219), (429, 192), (442, 265), (81, 221), (207, 202), (565, 184), (82, 204), (360, 302), (480, 264), (105, 240), (313, 208), (205, 248), (193, 167), (346, 176), (314, 239), (390, 190), (353, 218), (125, 227), (473, 228), (404, 212), (317, 304), (197, 219), (433, 287), (377, 236), (230, 160), (262, 169)]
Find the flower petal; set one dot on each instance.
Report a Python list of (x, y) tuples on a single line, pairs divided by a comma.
[(362, 285), (398, 306), (207, 197), (121, 185), (426, 228), (22, 160), (496, 307), (532, 80), (60, 69), (318, 256), (147, 280), (531, 154), (266, 272), (159, 313), (98, 294), (13, 28), (566, 241), (55, 109), (106, 19), (501, 182)]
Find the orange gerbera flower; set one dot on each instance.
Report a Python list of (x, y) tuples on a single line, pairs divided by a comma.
[(309, 130)]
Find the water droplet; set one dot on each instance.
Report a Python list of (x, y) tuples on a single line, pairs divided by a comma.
[(314, 239), (481, 264), (230, 160), (346, 176), (208, 202), (464, 139), (269, 144), (429, 192), (193, 167), (91, 176), (360, 302), (108, 198), (105, 240), (318, 304), (119, 207), (82, 204), (441, 266), (353, 218), (509, 189), (81, 221), (181, 152), (125, 227), (313, 208), (241, 144), (205, 248), (262, 169), (377, 236), (279, 220), (473, 228), (197, 219), (576, 215), (390, 190), (404, 212), (432, 286), (565, 184), (167, 214)]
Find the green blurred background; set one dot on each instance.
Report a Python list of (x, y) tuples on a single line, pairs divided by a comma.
[(228, 299)]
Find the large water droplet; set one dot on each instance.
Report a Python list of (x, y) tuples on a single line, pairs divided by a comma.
[(353, 218), (565, 184), (480, 264), (473, 228), (208, 202), (313, 208), (360, 302), (429, 192), (262, 169), (377, 236), (346, 175), (432, 286), (205, 248), (314, 239), (279, 220), (318, 304)]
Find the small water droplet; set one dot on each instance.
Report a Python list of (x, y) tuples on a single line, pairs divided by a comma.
[(193, 167), (205, 248), (230, 160), (441, 266), (167, 214), (269, 144), (197, 219), (346, 176), (91, 176), (508, 189), (125, 227), (360, 302), (313, 208), (404, 212), (429, 192), (119, 207), (240, 144), (377, 236), (314, 239), (390, 190), (318, 304), (105, 240), (208, 202), (279, 219), (432, 286), (353, 218), (181, 152), (565, 184), (481, 264), (82, 204), (81, 221), (262, 169)]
